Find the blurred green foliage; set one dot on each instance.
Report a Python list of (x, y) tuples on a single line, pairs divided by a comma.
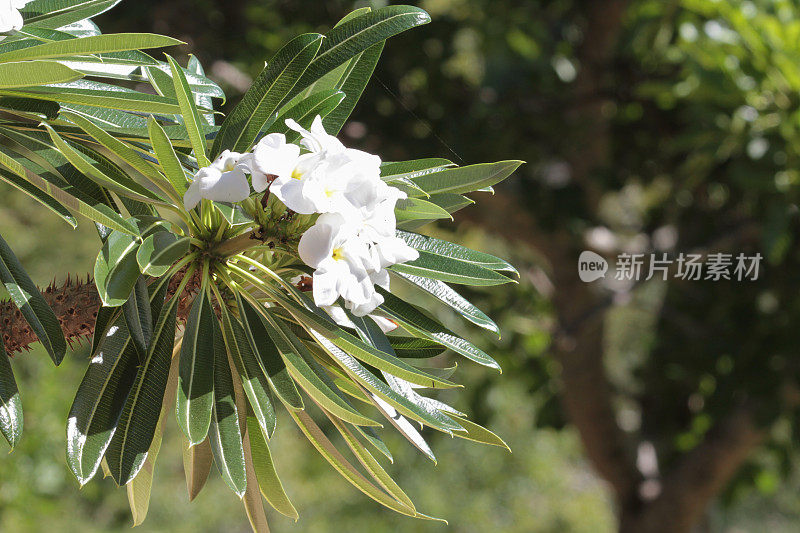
[(702, 102)]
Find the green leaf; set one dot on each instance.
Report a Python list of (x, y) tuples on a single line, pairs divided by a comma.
[(417, 323), (269, 90), (159, 251), (304, 112), (253, 504), (188, 110), (343, 466), (372, 466), (415, 348), (466, 179), (477, 433), (138, 317), (350, 77), (450, 270), (138, 488), (450, 202), (196, 380), (416, 209), (352, 84), (381, 390), (233, 213), (224, 433), (103, 321), (46, 181), (268, 481), (136, 428), (450, 297), (455, 251), (167, 159), (355, 36), (121, 99), (359, 349), (99, 401), (120, 148), (254, 380), (96, 44), (32, 73), (268, 356), (31, 304), (120, 183), (316, 384), (58, 13), (116, 269), (13, 179), (10, 403), (414, 168)]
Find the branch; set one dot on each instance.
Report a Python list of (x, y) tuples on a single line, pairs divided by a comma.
[(75, 304), (701, 473)]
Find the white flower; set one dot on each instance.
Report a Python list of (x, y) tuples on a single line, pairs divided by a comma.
[(317, 140), (272, 156), (342, 264), (340, 317), (10, 17), (223, 181)]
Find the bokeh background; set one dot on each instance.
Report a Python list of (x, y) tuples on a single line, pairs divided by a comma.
[(648, 126)]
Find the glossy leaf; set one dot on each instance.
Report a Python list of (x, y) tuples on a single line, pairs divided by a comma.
[(262, 101), (159, 251), (450, 297), (416, 209), (188, 110), (355, 36), (268, 481), (167, 159), (224, 433), (254, 379), (116, 269), (268, 356), (58, 13), (138, 318), (329, 452), (466, 179), (99, 401), (417, 323), (196, 381), (139, 488), (116, 99), (10, 403), (455, 251), (31, 303), (33, 73), (298, 360), (361, 350), (94, 44), (450, 270), (128, 448)]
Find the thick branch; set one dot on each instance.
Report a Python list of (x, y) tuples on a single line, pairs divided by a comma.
[(75, 304), (699, 475)]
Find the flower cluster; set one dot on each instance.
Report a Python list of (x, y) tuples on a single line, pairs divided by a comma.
[(353, 240), (10, 17)]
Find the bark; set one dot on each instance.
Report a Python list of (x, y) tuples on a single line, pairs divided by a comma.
[(690, 485), (75, 304)]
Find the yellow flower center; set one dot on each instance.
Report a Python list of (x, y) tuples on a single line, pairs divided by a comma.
[(297, 174), (338, 254), (229, 165)]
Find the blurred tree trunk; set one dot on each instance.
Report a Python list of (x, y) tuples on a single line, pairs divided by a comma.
[(675, 502)]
